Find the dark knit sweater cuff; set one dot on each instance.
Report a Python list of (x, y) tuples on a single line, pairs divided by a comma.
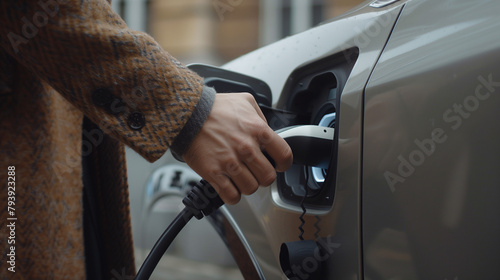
[(194, 124)]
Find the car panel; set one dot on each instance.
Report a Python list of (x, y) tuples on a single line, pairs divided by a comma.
[(430, 156)]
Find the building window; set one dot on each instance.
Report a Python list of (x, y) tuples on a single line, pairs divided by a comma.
[(282, 18), (134, 12), (318, 12), (286, 18), (299, 15)]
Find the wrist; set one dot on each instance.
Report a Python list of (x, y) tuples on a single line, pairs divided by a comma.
[(194, 124)]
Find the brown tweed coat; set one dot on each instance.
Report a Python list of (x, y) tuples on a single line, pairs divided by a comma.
[(61, 60)]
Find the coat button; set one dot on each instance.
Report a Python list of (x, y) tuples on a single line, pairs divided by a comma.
[(102, 97), (136, 121)]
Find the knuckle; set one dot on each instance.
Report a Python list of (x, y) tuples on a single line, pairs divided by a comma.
[(233, 168), (247, 151), (245, 148), (261, 127), (264, 133), (230, 162), (226, 157), (250, 189), (268, 179), (226, 190), (231, 197), (213, 173)]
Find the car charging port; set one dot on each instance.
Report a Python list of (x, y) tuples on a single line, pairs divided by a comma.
[(315, 97), (312, 97)]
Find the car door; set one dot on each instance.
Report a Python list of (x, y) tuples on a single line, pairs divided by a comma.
[(430, 181)]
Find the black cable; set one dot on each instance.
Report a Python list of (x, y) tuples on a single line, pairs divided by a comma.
[(301, 217), (302, 205), (201, 201), (163, 243), (316, 225)]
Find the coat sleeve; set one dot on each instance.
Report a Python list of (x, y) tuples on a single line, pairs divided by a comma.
[(121, 79)]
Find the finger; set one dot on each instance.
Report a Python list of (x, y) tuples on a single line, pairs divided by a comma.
[(225, 188), (241, 176), (277, 149), (261, 168)]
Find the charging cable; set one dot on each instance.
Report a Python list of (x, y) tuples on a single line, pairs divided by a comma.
[(311, 145), (201, 201)]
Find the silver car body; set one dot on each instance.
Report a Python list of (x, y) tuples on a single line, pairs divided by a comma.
[(416, 184)]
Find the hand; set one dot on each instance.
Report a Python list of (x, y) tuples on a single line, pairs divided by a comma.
[(227, 152)]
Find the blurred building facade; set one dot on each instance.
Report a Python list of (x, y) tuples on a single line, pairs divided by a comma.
[(216, 31)]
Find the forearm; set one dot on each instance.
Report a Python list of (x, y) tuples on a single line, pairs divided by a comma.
[(119, 78)]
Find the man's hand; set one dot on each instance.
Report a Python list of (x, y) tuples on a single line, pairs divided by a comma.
[(228, 150)]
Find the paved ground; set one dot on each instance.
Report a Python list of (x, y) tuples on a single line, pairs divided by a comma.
[(173, 267)]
